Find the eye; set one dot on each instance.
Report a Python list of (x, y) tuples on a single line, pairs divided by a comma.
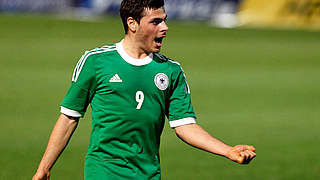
[(157, 21)]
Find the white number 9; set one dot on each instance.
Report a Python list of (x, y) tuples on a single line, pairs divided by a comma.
[(139, 99)]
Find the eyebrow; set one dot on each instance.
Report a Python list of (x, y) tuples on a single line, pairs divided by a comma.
[(157, 19)]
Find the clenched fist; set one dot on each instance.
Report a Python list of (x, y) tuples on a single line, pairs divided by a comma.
[(41, 176), (241, 154)]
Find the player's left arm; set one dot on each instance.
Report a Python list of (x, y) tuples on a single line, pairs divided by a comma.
[(195, 136)]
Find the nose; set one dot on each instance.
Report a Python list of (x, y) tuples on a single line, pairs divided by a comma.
[(164, 27)]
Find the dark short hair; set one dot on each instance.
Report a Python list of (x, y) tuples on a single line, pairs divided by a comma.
[(135, 9)]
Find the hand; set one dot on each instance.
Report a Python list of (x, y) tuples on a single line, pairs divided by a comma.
[(41, 176), (241, 154)]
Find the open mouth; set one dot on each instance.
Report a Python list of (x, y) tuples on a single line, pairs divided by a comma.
[(158, 41)]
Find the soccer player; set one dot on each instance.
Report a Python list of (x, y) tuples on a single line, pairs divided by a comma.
[(131, 88)]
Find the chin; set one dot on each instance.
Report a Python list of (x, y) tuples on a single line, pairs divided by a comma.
[(156, 50)]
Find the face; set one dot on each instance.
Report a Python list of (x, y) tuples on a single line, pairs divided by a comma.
[(151, 30)]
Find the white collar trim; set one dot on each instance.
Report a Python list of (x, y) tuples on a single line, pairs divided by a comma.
[(131, 60)]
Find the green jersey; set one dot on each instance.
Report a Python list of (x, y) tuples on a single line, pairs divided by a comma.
[(130, 99)]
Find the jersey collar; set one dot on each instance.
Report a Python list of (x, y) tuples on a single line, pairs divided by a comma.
[(131, 60)]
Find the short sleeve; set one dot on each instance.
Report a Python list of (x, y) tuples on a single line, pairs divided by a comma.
[(82, 88), (180, 107)]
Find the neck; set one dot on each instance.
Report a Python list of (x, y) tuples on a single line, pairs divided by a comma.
[(133, 48)]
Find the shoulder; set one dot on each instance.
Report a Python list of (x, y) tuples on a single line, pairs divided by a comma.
[(173, 64), (107, 50), (90, 59)]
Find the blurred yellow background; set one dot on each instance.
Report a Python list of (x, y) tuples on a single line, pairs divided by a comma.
[(280, 13)]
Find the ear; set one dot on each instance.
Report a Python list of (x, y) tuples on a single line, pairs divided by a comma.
[(132, 24)]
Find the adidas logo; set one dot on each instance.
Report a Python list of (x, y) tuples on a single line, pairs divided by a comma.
[(115, 78)]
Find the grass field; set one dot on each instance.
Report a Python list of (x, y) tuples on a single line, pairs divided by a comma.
[(259, 87)]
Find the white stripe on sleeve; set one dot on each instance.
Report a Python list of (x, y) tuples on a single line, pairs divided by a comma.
[(180, 122), (70, 112)]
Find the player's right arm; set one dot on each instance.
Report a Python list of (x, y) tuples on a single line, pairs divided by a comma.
[(58, 140), (73, 107)]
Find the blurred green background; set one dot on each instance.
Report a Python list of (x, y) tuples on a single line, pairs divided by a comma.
[(248, 86)]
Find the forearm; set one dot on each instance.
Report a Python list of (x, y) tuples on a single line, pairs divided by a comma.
[(194, 135), (58, 140)]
